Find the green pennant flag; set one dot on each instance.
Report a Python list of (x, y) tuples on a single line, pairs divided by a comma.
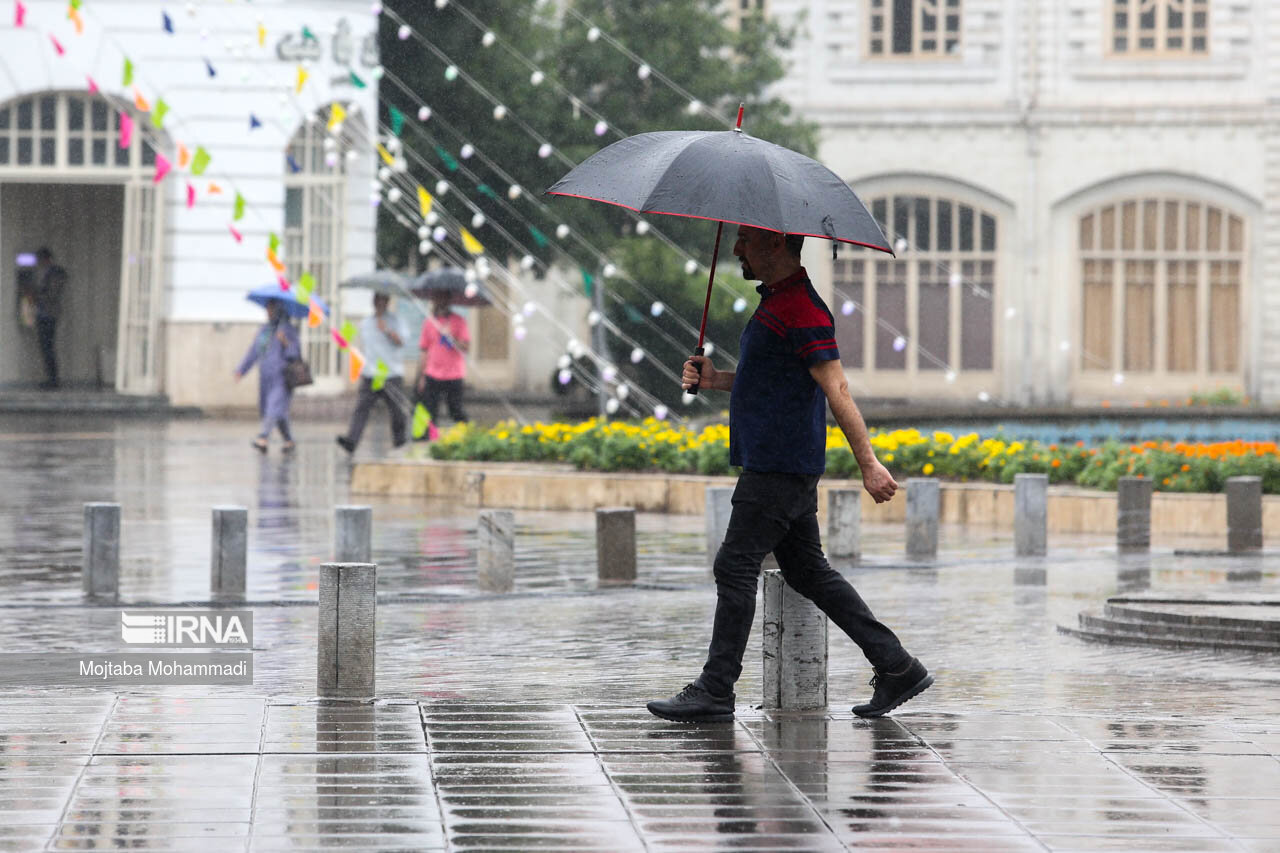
[(356, 81), (588, 281), (421, 421), (379, 376), (158, 112), (447, 158), (306, 283), (128, 72), (397, 120), (239, 211), (307, 35), (539, 238), (349, 330), (486, 190), (273, 240), (200, 161), (75, 4), (632, 314)]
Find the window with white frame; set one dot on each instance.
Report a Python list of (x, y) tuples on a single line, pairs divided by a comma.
[(60, 130), (314, 219), (1159, 27), (1162, 288), (913, 28), (930, 310)]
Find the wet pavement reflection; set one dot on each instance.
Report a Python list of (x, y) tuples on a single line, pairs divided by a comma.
[(516, 722)]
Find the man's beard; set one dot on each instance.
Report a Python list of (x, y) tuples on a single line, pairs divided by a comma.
[(747, 272)]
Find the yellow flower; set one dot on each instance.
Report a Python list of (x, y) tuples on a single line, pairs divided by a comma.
[(928, 468)]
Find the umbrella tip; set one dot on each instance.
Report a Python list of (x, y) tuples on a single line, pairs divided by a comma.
[(738, 126)]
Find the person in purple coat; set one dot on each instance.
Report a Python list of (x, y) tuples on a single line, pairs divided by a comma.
[(275, 345)]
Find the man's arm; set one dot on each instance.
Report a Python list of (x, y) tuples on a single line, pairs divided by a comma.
[(710, 378), (391, 330), (876, 479)]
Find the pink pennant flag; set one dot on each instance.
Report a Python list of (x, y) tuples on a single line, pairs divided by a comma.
[(19, 13), (191, 196), (57, 45), (234, 233), (162, 167), (93, 86), (433, 432), (284, 282), (338, 338), (126, 130)]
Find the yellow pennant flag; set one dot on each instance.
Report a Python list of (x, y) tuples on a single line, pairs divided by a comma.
[(337, 115), (140, 102), (262, 36), (385, 155), (424, 201), (303, 74), (356, 364), (314, 316), (471, 244), (184, 156)]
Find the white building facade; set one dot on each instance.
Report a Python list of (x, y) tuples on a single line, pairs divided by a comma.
[(1084, 194), (155, 300)]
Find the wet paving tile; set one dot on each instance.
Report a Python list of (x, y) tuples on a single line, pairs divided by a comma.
[(319, 727)]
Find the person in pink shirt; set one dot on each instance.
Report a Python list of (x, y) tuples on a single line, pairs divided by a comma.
[(443, 364)]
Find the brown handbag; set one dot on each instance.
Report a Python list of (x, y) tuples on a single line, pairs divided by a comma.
[(297, 373)]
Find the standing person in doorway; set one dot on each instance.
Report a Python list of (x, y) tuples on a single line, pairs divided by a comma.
[(788, 370), (381, 336), (47, 293), (275, 345), (443, 364)]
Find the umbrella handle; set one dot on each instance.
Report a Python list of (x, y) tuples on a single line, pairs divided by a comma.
[(693, 389)]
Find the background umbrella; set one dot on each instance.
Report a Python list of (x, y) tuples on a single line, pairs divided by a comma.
[(380, 281), (726, 176), (288, 298), (451, 282)]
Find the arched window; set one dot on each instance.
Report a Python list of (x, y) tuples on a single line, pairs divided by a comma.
[(314, 223), (72, 130), (928, 311), (1161, 289)]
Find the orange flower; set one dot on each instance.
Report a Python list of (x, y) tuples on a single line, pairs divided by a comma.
[(1186, 467), (1057, 463)]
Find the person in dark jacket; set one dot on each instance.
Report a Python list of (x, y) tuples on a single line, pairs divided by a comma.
[(46, 294)]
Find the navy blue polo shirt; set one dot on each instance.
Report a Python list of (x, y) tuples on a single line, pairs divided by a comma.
[(777, 412)]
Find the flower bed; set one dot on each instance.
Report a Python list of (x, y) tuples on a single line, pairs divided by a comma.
[(653, 445)]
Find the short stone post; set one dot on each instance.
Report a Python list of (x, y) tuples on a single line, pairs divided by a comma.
[(1244, 514), (795, 649), (719, 508), (1030, 514), (346, 644), (844, 523), (924, 503), (616, 544), (495, 550), (230, 553), (1133, 514), (353, 534), (100, 574)]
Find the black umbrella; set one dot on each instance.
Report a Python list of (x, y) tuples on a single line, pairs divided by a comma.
[(726, 176), (389, 282), (451, 282)]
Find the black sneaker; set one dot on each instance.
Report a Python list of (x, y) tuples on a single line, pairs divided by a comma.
[(346, 444), (894, 688), (693, 704)]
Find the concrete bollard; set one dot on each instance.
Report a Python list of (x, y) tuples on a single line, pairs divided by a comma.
[(346, 640), (1133, 514), (795, 649), (495, 550), (1030, 514), (616, 544), (924, 503), (100, 572), (230, 552), (353, 534), (1244, 514), (844, 523), (719, 509)]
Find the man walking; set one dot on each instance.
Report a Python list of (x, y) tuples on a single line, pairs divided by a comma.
[(51, 280), (788, 366), (381, 336)]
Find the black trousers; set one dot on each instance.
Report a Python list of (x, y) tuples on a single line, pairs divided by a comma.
[(779, 513), (45, 329), (392, 394), (451, 391)]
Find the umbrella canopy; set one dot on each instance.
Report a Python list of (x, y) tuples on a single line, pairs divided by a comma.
[(451, 282), (726, 176), (288, 298), (380, 281)]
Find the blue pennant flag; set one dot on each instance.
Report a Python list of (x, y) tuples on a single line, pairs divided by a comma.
[(293, 164), (168, 23), (254, 124), (209, 65)]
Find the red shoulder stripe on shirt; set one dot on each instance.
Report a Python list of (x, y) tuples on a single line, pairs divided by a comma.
[(815, 346), (771, 322)]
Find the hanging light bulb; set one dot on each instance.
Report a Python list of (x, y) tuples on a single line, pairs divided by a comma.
[(331, 159), (622, 391), (565, 377), (477, 221), (537, 77), (451, 73), (378, 72), (609, 271), (376, 8), (394, 195), (466, 151), (602, 127), (423, 232), (563, 361), (847, 308), (432, 218), (637, 356), (899, 343), (643, 72), (384, 174), (1118, 379), (956, 279), (695, 107), (1010, 313), (739, 305), (526, 263), (393, 144), (514, 191), (611, 405), (440, 4), (901, 245), (562, 231), (471, 290), (660, 412), (403, 33), (518, 333), (375, 199), (609, 373), (708, 348), (575, 348), (593, 34), (375, 185), (488, 38), (330, 143), (951, 376), (424, 113), (642, 228), (690, 267), (499, 112), (529, 308), (482, 267), (544, 150), (425, 247), (983, 397), (656, 309), (442, 187), (1065, 346), (593, 318), (439, 234)]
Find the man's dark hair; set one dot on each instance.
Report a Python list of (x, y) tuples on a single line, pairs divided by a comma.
[(43, 254), (795, 242)]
